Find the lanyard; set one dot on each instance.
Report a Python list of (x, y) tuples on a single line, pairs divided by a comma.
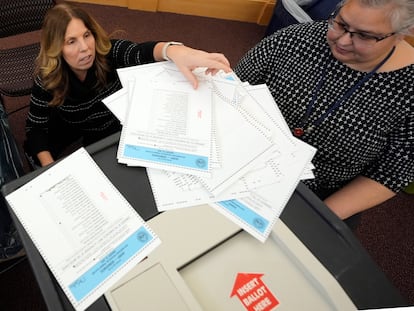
[(299, 131)]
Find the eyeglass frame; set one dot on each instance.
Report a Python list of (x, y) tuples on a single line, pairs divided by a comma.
[(331, 21)]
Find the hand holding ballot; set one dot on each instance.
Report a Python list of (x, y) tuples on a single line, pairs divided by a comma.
[(187, 59)]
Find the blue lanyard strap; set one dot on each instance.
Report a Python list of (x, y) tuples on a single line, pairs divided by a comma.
[(344, 97)]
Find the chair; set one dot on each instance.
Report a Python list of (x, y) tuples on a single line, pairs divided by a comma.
[(11, 167), (17, 63), (288, 12)]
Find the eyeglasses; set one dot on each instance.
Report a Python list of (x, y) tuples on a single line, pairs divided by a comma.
[(358, 38)]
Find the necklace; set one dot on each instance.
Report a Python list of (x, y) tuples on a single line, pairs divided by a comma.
[(300, 129)]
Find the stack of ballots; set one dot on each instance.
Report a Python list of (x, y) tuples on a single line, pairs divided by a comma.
[(225, 143)]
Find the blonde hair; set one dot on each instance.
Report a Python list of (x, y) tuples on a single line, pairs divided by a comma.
[(50, 65)]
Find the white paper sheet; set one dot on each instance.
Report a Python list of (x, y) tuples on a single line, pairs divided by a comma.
[(118, 103), (257, 213), (264, 99), (241, 146), (175, 190), (257, 161), (87, 233), (168, 126)]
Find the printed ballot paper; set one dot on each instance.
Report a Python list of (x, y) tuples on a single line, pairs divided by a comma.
[(85, 230), (253, 162), (168, 126)]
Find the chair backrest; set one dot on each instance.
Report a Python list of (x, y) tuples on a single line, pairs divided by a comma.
[(288, 12), (17, 63), (20, 16)]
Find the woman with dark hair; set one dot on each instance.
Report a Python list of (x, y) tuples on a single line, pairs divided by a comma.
[(76, 69), (345, 86)]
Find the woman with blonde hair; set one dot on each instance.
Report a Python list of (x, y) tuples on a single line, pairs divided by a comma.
[(76, 69)]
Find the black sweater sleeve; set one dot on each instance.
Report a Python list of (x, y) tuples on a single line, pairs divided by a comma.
[(126, 53)]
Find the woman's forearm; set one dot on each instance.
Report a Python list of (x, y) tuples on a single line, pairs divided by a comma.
[(359, 195)]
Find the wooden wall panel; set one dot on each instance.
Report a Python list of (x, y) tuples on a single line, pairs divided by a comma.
[(253, 11)]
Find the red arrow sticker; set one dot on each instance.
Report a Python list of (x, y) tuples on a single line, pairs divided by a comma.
[(253, 293)]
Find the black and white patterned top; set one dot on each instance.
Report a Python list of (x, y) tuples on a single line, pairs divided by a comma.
[(370, 134), (83, 109)]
